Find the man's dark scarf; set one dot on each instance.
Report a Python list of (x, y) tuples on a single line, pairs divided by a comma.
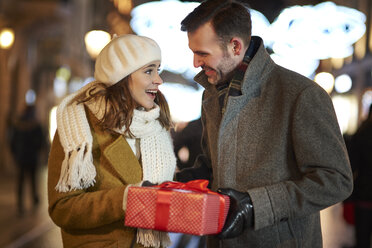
[(233, 88)]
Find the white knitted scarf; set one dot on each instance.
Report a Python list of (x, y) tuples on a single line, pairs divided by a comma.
[(78, 171), (157, 155)]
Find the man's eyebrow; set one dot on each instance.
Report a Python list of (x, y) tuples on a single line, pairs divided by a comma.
[(200, 52)]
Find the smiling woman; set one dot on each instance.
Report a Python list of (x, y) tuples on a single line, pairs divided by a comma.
[(107, 135)]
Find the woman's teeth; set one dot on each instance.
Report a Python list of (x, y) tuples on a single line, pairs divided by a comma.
[(152, 92)]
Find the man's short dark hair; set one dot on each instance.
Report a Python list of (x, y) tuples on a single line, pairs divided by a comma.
[(229, 18)]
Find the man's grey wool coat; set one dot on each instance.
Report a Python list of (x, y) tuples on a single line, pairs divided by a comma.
[(280, 142)]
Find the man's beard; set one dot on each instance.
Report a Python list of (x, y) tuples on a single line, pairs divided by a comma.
[(226, 69)]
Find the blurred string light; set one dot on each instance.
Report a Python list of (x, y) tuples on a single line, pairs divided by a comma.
[(30, 97), (6, 38), (320, 32), (260, 26), (75, 84), (303, 65), (325, 80), (346, 108), (184, 101), (343, 83), (303, 35), (366, 102), (52, 122), (95, 41), (124, 6), (63, 75), (59, 87), (161, 20), (87, 80)]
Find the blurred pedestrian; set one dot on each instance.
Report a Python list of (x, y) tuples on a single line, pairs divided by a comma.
[(361, 162), (27, 140), (187, 146), (187, 142)]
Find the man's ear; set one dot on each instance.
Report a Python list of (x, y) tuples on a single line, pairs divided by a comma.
[(236, 44)]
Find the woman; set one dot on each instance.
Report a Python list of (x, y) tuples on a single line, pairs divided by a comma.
[(111, 134)]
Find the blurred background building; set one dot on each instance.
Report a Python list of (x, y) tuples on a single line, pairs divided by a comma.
[(48, 49)]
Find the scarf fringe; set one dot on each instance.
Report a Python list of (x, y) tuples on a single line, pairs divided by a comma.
[(73, 175), (152, 238)]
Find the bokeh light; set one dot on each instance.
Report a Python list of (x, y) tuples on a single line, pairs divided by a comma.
[(6, 38), (325, 80), (95, 41), (343, 83)]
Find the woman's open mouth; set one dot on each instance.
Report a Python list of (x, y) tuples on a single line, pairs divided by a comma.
[(151, 93)]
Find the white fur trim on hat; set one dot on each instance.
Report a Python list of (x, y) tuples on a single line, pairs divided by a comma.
[(123, 55)]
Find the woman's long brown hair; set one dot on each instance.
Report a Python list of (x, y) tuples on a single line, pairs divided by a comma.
[(119, 105)]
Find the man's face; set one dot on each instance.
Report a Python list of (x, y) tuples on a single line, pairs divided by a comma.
[(217, 63)]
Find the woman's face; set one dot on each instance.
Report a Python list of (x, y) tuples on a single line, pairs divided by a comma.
[(144, 83)]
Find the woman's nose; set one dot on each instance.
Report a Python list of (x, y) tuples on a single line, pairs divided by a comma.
[(158, 79)]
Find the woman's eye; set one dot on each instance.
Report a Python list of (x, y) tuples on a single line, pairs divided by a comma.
[(148, 71)]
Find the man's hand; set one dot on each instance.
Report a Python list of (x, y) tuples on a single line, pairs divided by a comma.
[(240, 214)]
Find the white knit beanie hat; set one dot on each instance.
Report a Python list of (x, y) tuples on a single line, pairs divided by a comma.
[(123, 55)]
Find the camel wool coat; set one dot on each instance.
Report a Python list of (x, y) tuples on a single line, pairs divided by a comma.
[(94, 217), (280, 142)]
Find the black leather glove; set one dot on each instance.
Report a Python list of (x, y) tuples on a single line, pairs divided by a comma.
[(240, 215)]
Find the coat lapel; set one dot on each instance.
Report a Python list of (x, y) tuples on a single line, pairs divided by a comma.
[(122, 159), (210, 100)]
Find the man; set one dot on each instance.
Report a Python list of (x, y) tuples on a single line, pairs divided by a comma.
[(271, 139)]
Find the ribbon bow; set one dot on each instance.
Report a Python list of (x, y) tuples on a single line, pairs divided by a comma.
[(163, 200)]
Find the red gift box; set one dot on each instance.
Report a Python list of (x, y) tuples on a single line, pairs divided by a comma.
[(177, 207)]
